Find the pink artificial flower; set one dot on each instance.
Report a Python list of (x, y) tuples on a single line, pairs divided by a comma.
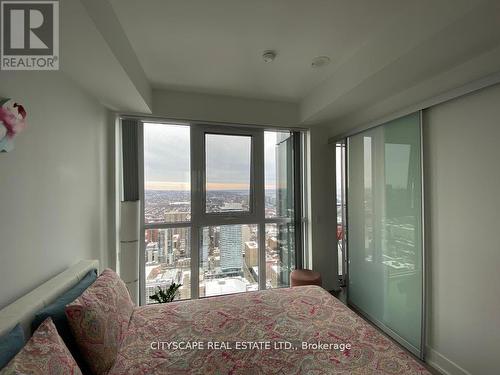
[(21, 123), (20, 110), (9, 121), (13, 122)]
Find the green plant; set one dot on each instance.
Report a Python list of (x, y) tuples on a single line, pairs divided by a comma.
[(167, 295)]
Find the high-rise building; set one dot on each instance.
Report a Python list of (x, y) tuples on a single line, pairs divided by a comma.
[(152, 252), (184, 243), (187, 242), (230, 249), (206, 244), (168, 249), (246, 234), (251, 254), (163, 243)]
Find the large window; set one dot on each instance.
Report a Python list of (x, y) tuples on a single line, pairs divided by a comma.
[(222, 212)]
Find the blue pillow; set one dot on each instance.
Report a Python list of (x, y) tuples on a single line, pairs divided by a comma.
[(56, 311), (10, 344)]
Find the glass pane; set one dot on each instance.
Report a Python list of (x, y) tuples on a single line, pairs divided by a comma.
[(167, 181), (280, 254), (168, 260), (278, 165), (341, 207), (385, 232), (229, 259), (227, 172)]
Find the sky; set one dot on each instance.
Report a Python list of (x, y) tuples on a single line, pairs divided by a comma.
[(167, 164)]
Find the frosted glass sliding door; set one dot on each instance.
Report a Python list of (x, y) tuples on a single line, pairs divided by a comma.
[(385, 238)]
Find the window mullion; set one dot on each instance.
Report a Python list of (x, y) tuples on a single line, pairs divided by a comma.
[(197, 165), (142, 243), (259, 202), (297, 194)]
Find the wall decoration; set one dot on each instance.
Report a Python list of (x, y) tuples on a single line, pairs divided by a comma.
[(12, 122)]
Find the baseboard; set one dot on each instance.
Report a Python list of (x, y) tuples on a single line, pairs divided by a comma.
[(443, 364)]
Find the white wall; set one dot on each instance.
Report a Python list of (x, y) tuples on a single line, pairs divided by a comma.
[(462, 174), (221, 108), (54, 184), (323, 244)]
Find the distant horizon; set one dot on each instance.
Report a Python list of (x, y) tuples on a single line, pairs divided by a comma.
[(188, 191), (177, 186)]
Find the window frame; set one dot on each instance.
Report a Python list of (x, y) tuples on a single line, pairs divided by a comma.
[(256, 214), (255, 148)]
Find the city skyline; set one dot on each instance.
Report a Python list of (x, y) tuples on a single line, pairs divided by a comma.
[(151, 186), (228, 253)]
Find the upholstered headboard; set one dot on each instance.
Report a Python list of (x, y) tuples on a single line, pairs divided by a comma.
[(24, 309)]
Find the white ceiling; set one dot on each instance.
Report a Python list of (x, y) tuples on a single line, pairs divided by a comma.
[(216, 46), (203, 56)]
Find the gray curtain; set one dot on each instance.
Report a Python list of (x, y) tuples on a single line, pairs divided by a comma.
[(130, 158)]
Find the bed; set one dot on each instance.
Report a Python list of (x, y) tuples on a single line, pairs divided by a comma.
[(301, 330), (249, 334)]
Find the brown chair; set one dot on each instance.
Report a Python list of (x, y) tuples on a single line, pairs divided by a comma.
[(305, 277)]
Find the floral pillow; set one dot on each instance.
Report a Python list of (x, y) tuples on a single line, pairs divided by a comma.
[(99, 319), (44, 353)]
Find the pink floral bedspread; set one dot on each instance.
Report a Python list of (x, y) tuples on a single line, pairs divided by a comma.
[(264, 321)]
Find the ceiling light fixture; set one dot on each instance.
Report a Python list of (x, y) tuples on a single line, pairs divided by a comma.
[(269, 56), (320, 61)]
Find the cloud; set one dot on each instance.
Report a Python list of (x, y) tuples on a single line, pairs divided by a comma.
[(167, 159)]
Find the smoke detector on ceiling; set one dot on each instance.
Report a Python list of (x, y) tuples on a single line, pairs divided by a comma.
[(269, 56), (320, 61)]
